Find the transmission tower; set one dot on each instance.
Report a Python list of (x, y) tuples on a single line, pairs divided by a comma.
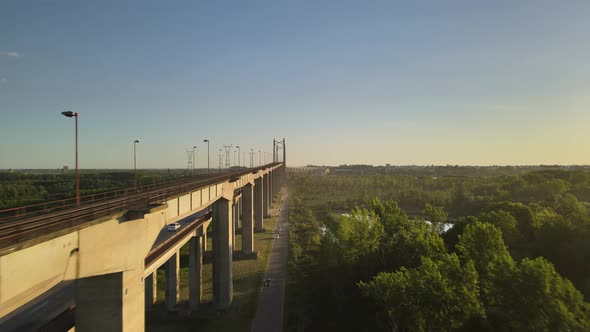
[(227, 155), (189, 160)]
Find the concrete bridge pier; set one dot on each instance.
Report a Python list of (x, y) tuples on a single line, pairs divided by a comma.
[(234, 206), (270, 189), (266, 195), (258, 204), (236, 220), (275, 182), (247, 203), (151, 289), (222, 253), (195, 272), (205, 237), (239, 212), (172, 281), (111, 302)]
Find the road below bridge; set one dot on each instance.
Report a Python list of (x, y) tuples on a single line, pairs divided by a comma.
[(269, 315)]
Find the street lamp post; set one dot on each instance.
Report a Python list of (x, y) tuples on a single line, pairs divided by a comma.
[(260, 157), (207, 141), (237, 146), (135, 160), (219, 154), (193, 170), (71, 114)]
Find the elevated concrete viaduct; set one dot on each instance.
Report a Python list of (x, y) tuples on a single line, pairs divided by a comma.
[(113, 259)]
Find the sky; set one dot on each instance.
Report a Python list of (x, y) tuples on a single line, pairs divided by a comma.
[(344, 82)]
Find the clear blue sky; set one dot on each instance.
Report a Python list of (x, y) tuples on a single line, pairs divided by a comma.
[(374, 82)]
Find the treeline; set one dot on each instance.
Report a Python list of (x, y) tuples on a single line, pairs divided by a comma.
[(18, 188), (460, 196), (505, 265)]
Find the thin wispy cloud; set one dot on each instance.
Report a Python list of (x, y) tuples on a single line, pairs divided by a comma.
[(11, 54)]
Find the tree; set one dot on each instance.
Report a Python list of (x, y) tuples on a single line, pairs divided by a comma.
[(358, 235), (534, 297), (435, 214), (482, 244), (505, 222), (437, 295)]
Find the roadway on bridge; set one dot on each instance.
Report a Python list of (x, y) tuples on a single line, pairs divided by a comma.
[(40, 311), (269, 315)]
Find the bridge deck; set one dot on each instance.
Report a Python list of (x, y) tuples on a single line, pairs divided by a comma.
[(25, 223)]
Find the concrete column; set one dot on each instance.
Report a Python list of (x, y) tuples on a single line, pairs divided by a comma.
[(151, 289), (195, 272), (233, 225), (111, 302), (270, 189), (204, 239), (222, 254), (258, 201), (235, 214), (266, 196), (239, 212), (172, 282), (248, 218)]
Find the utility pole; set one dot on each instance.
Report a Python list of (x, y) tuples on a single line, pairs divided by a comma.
[(194, 154), (135, 160), (189, 161), (220, 162), (227, 155), (238, 147), (207, 141), (251, 158)]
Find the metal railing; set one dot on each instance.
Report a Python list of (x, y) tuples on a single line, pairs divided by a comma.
[(40, 219)]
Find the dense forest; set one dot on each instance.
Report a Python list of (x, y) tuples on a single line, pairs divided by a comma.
[(500, 251), (30, 187)]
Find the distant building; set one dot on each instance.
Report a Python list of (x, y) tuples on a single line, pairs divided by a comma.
[(65, 169)]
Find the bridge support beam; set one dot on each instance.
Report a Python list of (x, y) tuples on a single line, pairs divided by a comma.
[(266, 195), (195, 272), (151, 289), (270, 189), (236, 220), (172, 282), (234, 206), (204, 238), (111, 302), (247, 219), (240, 212), (258, 204), (222, 254)]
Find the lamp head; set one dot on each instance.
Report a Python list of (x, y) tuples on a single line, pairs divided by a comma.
[(69, 114)]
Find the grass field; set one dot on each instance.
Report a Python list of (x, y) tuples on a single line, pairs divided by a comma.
[(247, 280)]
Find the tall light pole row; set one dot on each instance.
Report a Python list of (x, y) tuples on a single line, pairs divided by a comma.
[(75, 115)]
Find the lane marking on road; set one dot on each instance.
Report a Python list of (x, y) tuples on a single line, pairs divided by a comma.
[(39, 306)]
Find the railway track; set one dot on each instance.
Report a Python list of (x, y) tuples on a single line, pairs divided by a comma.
[(27, 222)]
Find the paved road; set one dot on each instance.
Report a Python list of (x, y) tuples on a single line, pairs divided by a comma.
[(40, 311), (269, 316)]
